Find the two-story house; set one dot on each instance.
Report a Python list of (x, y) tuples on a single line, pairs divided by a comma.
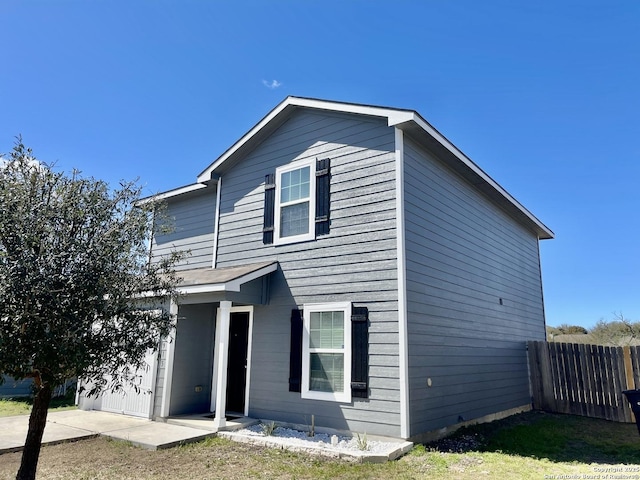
[(347, 262)]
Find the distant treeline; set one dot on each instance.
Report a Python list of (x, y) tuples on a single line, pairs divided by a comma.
[(617, 332)]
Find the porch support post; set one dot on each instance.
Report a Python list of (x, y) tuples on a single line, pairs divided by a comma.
[(168, 363), (214, 371), (222, 355)]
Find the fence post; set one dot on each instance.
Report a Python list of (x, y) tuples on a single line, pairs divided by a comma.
[(635, 364), (535, 375), (549, 402), (628, 371), (628, 367)]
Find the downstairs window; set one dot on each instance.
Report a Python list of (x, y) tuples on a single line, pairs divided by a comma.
[(326, 352)]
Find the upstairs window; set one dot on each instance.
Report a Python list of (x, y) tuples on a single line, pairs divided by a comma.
[(295, 202)]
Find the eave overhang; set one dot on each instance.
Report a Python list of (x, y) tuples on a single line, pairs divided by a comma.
[(425, 134), (194, 187)]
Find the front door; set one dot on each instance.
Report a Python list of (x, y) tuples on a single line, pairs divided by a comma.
[(237, 361)]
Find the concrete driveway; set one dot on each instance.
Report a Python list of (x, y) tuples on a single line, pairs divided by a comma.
[(78, 424)]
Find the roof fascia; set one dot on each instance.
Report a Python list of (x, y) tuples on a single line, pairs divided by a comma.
[(205, 175), (394, 116), (172, 193)]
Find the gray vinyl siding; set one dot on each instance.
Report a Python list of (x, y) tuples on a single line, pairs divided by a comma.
[(463, 255), (13, 388), (356, 262), (193, 360), (191, 217)]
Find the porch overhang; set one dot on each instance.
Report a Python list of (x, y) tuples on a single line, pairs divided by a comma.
[(222, 280)]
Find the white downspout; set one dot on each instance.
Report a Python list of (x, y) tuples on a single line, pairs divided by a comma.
[(216, 224), (168, 373)]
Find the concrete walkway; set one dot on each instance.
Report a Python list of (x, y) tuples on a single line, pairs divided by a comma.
[(73, 425)]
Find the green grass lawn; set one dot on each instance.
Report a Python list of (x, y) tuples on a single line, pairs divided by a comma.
[(22, 405), (562, 438), (532, 445)]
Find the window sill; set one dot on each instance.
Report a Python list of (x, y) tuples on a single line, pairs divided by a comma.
[(326, 396), (296, 239)]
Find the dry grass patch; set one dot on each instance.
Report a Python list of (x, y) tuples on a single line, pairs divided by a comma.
[(101, 458)]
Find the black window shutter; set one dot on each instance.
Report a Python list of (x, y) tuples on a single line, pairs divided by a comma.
[(360, 352), (269, 207), (323, 174), (295, 352)]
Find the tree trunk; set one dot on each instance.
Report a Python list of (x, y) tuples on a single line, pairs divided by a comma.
[(37, 422)]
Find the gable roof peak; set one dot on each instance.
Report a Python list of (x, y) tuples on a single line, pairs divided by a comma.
[(284, 109), (408, 121)]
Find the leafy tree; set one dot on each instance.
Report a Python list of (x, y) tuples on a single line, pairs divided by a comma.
[(572, 329), (619, 332), (79, 297), (565, 329)]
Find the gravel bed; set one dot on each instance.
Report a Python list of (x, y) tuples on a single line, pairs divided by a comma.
[(322, 443), (321, 440)]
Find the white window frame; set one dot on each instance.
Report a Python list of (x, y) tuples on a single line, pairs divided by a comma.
[(345, 395), (311, 234)]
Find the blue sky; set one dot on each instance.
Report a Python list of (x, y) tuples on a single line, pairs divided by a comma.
[(543, 95)]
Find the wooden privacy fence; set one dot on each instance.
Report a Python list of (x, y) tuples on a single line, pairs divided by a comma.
[(583, 380)]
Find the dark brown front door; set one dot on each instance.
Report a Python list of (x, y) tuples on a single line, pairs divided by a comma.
[(237, 361)]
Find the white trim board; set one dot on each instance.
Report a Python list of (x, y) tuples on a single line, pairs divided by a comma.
[(168, 368), (403, 344)]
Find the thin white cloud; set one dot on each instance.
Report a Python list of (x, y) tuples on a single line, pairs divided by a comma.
[(30, 162), (273, 84)]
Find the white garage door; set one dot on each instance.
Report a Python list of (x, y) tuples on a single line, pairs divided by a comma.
[(127, 400)]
